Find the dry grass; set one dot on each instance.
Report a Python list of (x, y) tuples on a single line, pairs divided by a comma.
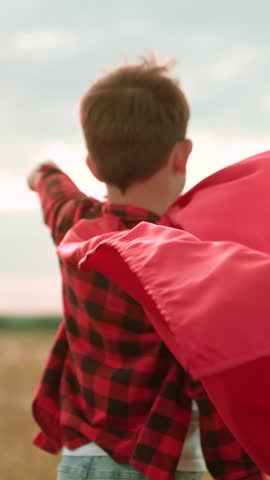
[(22, 357)]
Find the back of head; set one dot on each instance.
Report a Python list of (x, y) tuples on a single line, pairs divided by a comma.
[(131, 119)]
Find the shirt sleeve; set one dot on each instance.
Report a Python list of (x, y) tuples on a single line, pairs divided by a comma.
[(62, 203), (224, 456)]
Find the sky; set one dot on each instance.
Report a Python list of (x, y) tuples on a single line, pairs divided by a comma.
[(49, 54)]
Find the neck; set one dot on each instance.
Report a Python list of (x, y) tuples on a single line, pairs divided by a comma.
[(145, 195)]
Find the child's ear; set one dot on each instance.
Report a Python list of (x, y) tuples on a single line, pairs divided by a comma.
[(182, 150), (92, 167)]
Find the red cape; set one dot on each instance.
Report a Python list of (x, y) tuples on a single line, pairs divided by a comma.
[(208, 300), (233, 204)]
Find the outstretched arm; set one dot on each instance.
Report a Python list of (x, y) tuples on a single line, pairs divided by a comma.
[(62, 203)]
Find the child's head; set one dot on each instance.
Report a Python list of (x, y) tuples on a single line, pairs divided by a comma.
[(134, 120)]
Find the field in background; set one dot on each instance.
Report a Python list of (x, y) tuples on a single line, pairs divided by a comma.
[(22, 356)]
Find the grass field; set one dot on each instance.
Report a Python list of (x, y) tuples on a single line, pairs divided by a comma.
[(22, 357)]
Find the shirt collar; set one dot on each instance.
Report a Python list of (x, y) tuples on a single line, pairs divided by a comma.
[(130, 214)]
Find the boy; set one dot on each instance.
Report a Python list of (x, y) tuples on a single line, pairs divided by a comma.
[(211, 304), (110, 383)]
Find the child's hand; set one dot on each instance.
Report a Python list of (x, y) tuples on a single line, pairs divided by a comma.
[(34, 175)]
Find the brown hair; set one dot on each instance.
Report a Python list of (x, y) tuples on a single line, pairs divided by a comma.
[(131, 119)]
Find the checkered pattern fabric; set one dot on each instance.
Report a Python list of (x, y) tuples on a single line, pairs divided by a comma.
[(108, 377)]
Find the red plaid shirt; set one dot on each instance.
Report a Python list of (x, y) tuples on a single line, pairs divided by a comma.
[(109, 378)]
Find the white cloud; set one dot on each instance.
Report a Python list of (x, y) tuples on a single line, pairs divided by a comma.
[(71, 158), (234, 63), (211, 153), (266, 103), (34, 294), (14, 193), (42, 41)]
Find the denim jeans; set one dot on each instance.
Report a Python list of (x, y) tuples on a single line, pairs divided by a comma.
[(104, 468)]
